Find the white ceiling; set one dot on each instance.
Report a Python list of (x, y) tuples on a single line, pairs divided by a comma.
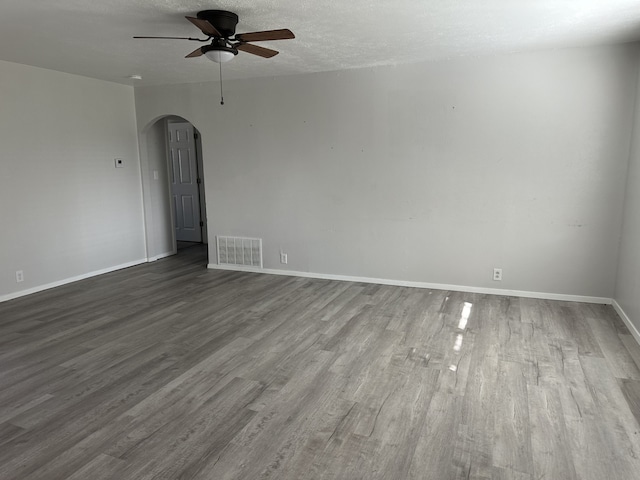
[(93, 37)]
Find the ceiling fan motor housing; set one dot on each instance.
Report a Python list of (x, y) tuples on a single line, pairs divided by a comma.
[(220, 46), (225, 22)]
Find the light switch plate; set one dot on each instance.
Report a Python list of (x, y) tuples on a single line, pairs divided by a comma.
[(119, 163)]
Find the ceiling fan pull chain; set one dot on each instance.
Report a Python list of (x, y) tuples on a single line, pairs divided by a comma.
[(221, 97)]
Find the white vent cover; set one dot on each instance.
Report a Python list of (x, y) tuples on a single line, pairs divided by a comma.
[(239, 251)]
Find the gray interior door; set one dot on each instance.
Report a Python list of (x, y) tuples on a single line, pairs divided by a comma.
[(184, 182)]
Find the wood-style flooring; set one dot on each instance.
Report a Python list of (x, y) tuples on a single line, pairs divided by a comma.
[(172, 371)]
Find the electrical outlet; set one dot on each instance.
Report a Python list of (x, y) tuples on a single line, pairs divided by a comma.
[(19, 276), (283, 258), (497, 274)]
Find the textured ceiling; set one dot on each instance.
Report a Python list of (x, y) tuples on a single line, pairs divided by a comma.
[(93, 37)]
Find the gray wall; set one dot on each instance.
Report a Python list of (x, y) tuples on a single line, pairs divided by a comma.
[(158, 216), (65, 210), (627, 292), (432, 173)]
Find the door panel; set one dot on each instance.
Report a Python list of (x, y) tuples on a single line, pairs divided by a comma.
[(185, 163), (184, 182), (187, 213)]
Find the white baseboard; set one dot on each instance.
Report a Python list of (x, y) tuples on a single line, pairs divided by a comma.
[(403, 283), (40, 288), (162, 255), (627, 321)]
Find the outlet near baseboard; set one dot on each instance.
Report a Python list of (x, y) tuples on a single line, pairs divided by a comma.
[(497, 274)]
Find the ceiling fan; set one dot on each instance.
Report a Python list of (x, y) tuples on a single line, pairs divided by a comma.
[(220, 28)]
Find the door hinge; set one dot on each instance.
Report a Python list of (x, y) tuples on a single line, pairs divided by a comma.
[(201, 223), (195, 135), (198, 181)]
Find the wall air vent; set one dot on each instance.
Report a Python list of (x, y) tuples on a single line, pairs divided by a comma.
[(241, 251)]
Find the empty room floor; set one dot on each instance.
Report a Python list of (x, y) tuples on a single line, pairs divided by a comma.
[(172, 371)]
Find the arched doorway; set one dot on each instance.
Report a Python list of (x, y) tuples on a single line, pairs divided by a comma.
[(173, 186)]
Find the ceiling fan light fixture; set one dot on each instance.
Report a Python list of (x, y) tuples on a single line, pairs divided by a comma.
[(219, 56)]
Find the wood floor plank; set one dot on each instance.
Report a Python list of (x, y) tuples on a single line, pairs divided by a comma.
[(202, 436), (618, 357), (631, 391), (613, 409), (102, 467), (549, 443), (433, 455), (8, 432), (512, 449), (632, 347), (171, 371)]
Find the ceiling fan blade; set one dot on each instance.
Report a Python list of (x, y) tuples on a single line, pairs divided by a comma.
[(177, 38), (256, 50), (282, 34), (196, 53), (205, 26)]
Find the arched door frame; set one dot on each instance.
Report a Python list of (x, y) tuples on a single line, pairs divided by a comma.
[(158, 213)]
